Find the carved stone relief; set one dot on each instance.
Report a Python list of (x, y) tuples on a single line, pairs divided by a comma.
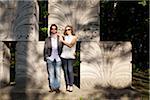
[(83, 18), (19, 20), (4, 65), (30, 66), (106, 63)]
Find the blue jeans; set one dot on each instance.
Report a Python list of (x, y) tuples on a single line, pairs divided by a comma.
[(68, 71), (54, 74)]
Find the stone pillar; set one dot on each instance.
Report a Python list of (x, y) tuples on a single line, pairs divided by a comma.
[(1, 63), (4, 64), (25, 29), (7, 10), (30, 66), (19, 22)]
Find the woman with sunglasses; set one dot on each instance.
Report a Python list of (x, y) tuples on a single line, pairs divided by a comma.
[(68, 56)]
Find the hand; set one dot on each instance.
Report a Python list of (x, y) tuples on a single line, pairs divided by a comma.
[(47, 58), (60, 38), (58, 34), (74, 54)]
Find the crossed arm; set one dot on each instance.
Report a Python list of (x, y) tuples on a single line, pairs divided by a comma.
[(68, 44)]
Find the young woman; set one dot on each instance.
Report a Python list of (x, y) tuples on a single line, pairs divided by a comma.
[(68, 55)]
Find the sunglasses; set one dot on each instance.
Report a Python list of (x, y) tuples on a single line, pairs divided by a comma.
[(67, 29)]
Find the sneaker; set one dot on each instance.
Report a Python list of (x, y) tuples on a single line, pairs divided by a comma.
[(68, 88), (71, 89), (51, 90), (57, 91), (12, 83)]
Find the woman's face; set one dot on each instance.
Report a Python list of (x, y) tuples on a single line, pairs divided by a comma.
[(68, 30), (53, 29)]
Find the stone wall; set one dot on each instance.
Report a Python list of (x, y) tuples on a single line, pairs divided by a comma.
[(106, 64), (31, 68), (19, 22), (4, 65), (103, 63), (1, 62), (99, 65), (25, 29), (82, 15)]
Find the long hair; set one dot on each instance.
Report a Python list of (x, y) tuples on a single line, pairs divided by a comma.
[(70, 28), (51, 27)]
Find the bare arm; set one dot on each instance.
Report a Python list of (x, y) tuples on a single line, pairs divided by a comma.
[(69, 44)]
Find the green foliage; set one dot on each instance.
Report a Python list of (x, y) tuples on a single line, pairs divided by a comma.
[(43, 5), (43, 20), (135, 68), (81, 98), (78, 53), (44, 30), (45, 14), (12, 62), (77, 62), (43, 33), (129, 21), (142, 2)]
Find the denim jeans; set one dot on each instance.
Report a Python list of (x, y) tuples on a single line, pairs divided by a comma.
[(54, 73), (68, 71)]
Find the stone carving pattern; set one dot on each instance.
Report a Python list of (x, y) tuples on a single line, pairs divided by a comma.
[(106, 63), (5, 65), (25, 26), (30, 64), (4, 22), (83, 18), (19, 20)]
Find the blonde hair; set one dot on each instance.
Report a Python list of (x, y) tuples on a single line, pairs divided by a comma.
[(71, 30)]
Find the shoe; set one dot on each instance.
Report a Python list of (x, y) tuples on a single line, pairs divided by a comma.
[(51, 90), (68, 88), (57, 91), (12, 83), (71, 89)]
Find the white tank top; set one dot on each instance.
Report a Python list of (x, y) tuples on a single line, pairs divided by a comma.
[(67, 52)]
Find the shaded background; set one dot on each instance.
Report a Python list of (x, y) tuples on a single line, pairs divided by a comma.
[(129, 21)]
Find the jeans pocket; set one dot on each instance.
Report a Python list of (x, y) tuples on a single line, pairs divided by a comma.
[(49, 61)]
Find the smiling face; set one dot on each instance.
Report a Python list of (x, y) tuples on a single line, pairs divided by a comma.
[(68, 30), (53, 29)]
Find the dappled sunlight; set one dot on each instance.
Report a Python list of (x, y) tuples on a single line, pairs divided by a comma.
[(121, 74), (14, 21), (4, 26), (19, 23), (112, 93), (83, 18), (5, 62), (107, 62), (26, 20), (38, 68)]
